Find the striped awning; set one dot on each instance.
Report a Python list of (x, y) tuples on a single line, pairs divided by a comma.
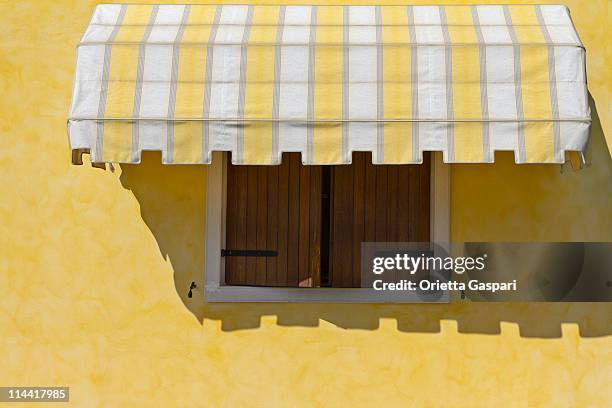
[(329, 80)]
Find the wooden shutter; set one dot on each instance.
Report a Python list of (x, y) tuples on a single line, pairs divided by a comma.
[(279, 208), (274, 208), (374, 203)]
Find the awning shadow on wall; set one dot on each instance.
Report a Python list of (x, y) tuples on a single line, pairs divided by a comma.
[(172, 205)]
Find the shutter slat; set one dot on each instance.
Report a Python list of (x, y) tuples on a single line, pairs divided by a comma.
[(251, 221), (315, 225), (283, 222), (262, 223), (272, 221)]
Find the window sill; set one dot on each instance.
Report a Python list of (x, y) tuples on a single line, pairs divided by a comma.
[(304, 295)]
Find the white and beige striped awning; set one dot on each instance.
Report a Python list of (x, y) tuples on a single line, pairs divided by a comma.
[(329, 80)]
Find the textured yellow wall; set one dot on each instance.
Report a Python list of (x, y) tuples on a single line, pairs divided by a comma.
[(95, 265)]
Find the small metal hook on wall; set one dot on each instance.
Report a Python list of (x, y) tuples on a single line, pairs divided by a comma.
[(191, 288)]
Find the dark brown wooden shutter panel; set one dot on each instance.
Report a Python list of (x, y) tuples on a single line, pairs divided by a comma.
[(274, 208), (375, 203)]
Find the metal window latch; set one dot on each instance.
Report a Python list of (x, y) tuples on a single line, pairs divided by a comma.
[(191, 288), (248, 252)]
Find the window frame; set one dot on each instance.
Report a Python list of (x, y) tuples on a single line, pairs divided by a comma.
[(215, 223)]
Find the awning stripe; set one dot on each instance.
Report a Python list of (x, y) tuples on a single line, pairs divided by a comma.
[(312, 38), (176, 49), (104, 85), (345, 81), (516, 50), (210, 55), (276, 157), (329, 80), (142, 50), (414, 63), (380, 105), (482, 54), (552, 84), (239, 159), (125, 84)]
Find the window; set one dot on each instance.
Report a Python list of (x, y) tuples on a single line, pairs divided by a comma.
[(302, 226), (286, 228)]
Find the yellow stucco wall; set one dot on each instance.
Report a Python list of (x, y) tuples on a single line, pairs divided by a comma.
[(95, 265)]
